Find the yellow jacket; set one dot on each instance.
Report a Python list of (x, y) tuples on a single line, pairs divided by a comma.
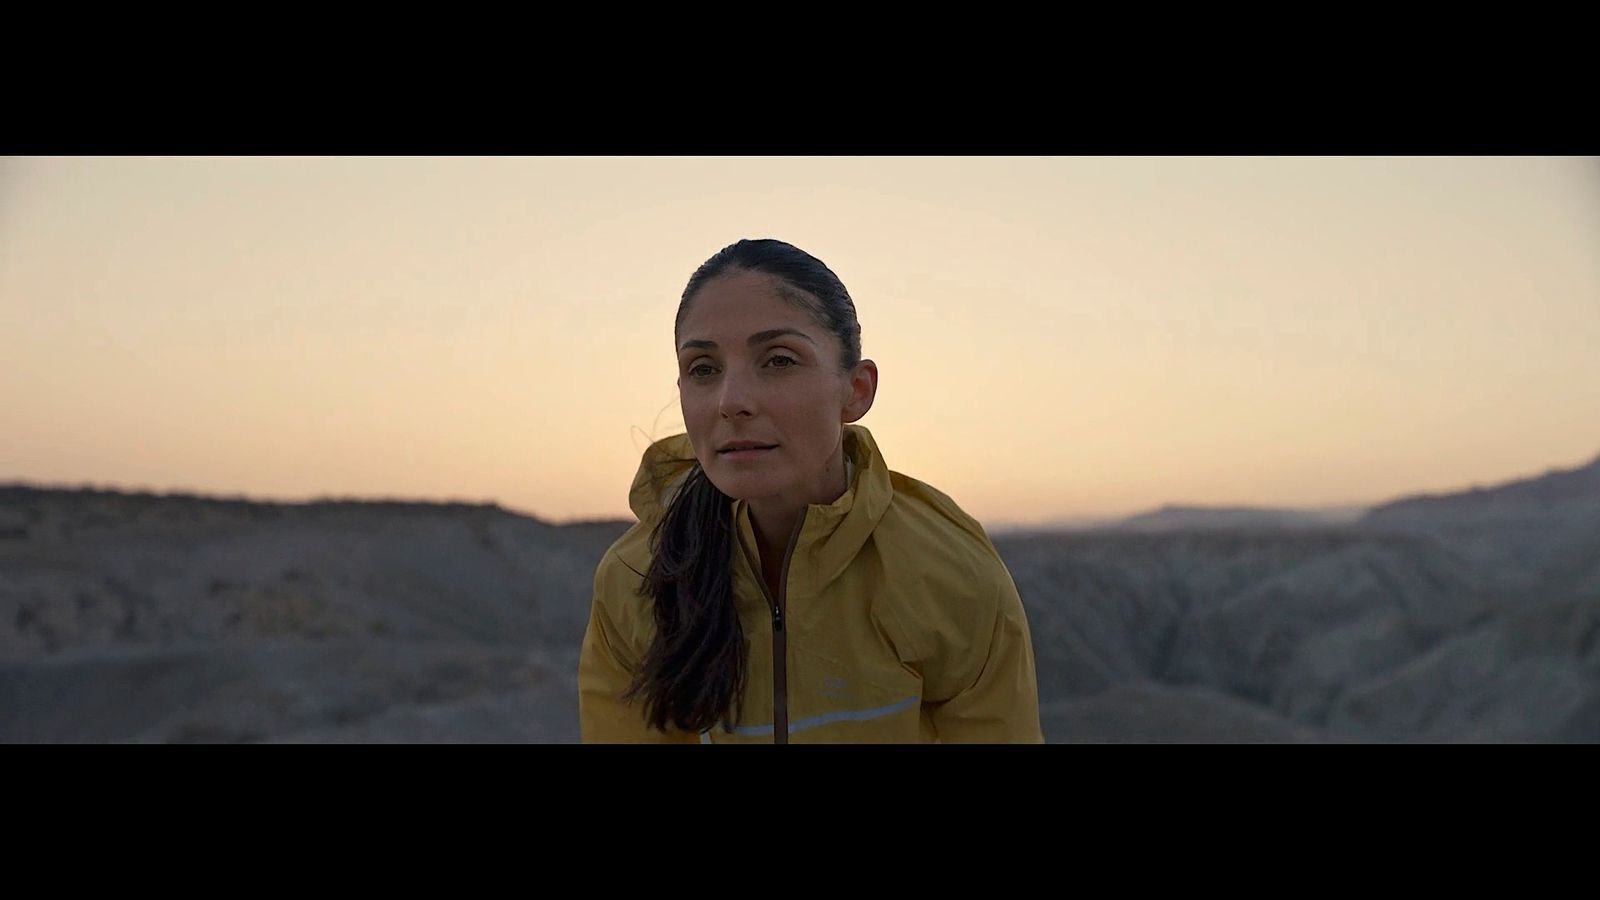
[(898, 621)]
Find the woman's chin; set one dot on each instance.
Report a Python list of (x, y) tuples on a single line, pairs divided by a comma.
[(742, 485)]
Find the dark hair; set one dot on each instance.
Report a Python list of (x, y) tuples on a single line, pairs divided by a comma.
[(693, 674)]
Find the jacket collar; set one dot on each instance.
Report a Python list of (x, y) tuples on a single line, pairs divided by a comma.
[(832, 533)]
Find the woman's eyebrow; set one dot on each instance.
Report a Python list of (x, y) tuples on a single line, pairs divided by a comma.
[(753, 340)]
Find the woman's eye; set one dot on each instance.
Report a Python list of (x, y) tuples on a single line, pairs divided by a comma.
[(789, 363)]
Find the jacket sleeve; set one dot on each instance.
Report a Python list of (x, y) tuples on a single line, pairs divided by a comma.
[(1000, 702), (606, 665)]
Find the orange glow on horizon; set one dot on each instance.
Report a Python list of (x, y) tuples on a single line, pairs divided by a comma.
[(1055, 336)]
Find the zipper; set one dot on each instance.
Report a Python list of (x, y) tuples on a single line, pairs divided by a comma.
[(780, 644)]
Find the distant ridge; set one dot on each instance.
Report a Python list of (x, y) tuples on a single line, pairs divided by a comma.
[(1174, 516), (1180, 517), (1555, 486), (14, 491)]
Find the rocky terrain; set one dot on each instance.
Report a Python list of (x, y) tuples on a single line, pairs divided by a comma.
[(124, 617), (154, 618)]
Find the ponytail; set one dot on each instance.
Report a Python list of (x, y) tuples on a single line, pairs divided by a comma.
[(694, 672)]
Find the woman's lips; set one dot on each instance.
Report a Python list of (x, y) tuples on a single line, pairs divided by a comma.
[(745, 454)]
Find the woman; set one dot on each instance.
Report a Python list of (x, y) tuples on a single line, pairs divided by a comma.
[(782, 584)]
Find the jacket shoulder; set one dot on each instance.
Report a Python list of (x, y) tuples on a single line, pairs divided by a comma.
[(944, 576), (928, 517), (618, 580), (631, 550)]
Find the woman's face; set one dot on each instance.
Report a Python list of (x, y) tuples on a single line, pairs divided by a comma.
[(783, 389)]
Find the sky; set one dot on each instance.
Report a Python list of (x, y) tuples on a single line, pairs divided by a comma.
[(1056, 337)]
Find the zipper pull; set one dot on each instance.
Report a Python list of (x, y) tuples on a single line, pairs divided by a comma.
[(777, 619)]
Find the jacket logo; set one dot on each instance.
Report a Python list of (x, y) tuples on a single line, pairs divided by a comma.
[(833, 687)]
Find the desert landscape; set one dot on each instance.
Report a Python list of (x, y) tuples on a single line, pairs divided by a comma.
[(152, 618)]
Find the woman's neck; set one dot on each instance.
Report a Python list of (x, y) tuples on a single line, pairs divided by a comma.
[(774, 520)]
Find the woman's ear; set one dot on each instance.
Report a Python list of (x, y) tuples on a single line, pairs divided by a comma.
[(862, 389)]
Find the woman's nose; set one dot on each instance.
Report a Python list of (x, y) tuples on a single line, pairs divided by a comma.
[(737, 397)]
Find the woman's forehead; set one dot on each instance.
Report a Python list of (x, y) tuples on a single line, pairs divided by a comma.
[(733, 309)]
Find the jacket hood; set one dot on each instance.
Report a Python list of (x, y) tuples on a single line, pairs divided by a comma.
[(832, 533)]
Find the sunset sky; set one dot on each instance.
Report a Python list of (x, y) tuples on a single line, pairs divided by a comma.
[(1055, 337)]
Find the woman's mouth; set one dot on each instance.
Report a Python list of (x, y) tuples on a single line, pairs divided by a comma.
[(738, 453)]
